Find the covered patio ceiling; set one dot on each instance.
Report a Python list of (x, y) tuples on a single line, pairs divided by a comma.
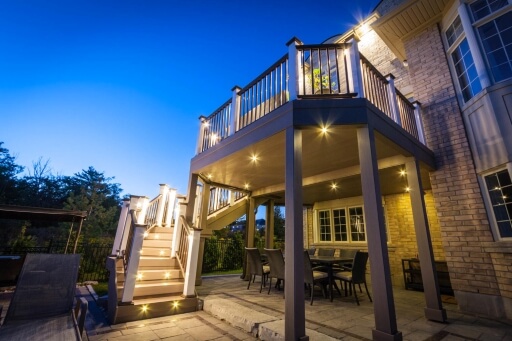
[(330, 166)]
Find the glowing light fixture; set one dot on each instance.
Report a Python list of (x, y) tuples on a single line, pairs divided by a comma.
[(167, 275), (175, 304), (144, 308), (254, 157), (334, 186), (324, 130), (206, 124), (246, 186), (402, 172), (139, 276), (162, 252), (407, 189), (146, 234), (157, 236)]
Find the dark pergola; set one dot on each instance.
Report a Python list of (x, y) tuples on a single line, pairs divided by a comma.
[(46, 214)]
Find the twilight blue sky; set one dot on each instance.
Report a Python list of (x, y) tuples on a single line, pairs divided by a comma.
[(119, 84)]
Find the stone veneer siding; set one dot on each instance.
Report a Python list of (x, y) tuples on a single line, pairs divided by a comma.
[(458, 200)]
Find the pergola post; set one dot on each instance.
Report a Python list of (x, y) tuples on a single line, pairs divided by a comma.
[(434, 309), (294, 311), (384, 307)]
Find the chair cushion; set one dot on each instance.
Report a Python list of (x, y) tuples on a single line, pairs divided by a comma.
[(319, 275), (266, 269), (343, 275)]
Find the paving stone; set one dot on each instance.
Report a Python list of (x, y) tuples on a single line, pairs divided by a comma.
[(237, 315)]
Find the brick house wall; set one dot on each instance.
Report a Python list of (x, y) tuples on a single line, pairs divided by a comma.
[(458, 200)]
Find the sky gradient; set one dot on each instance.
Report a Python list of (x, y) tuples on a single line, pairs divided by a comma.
[(119, 85)]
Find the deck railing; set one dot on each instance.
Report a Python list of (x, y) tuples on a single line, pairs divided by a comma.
[(222, 197), (187, 254), (310, 71)]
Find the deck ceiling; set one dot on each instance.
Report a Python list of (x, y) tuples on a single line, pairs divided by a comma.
[(407, 19), (327, 158)]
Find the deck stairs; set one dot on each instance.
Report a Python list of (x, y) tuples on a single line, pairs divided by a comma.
[(159, 285)]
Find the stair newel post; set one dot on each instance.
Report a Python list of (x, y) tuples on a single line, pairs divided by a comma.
[(235, 110), (194, 239), (164, 190), (202, 132), (393, 102), (293, 65), (121, 227), (178, 225), (133, 264), (355, 78), (171, 203), (419, 122), (142, 208)]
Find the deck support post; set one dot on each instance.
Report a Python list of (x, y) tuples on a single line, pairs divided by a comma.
[(235, 110), (355, 77), (383, 303), (434, 310), (294, 311), (269, 230)]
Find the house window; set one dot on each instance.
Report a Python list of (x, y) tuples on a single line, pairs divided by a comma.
[(342, 225), (324, 224), (493, 24), (458, 49), (499, 186)]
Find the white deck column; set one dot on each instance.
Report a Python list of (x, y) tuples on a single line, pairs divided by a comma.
[(294, 311), (235, 110), (434, 310), (164, 190), (293, 64), (203, 125), (383, 303), (419, 121), (393, 103), (354, 75), (121, 226)]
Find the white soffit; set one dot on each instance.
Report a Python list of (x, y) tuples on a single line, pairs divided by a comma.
[(407, 19)]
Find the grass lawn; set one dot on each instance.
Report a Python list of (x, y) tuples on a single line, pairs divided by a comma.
[(101, 288)]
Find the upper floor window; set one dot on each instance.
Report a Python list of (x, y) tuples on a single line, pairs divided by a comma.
[(458, 48), (341, 225), (499, 187), (493, 23)]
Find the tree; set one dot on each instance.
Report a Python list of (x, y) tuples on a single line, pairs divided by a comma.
[(95, 193), (279, 229), (8, 172)]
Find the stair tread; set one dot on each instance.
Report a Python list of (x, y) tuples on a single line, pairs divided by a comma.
[(157, 299), (159, 282)]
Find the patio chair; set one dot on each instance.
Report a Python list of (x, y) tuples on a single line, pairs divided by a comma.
[(311, 251), (42, 305), (312, 277), (276, 262), (255, 267), (357, 275), (347, 253)]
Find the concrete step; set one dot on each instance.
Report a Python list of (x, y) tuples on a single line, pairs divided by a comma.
[(155, 262), (151, 288), (261, 325)]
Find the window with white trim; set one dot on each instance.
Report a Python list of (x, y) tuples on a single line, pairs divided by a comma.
[(341, 225), (499, 187), (492, 20), (462, 60)]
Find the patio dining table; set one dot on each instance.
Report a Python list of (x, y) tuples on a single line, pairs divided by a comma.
[(329, 262)]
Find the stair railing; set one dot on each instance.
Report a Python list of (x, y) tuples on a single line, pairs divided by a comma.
[(131, 257), (187, 254)]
